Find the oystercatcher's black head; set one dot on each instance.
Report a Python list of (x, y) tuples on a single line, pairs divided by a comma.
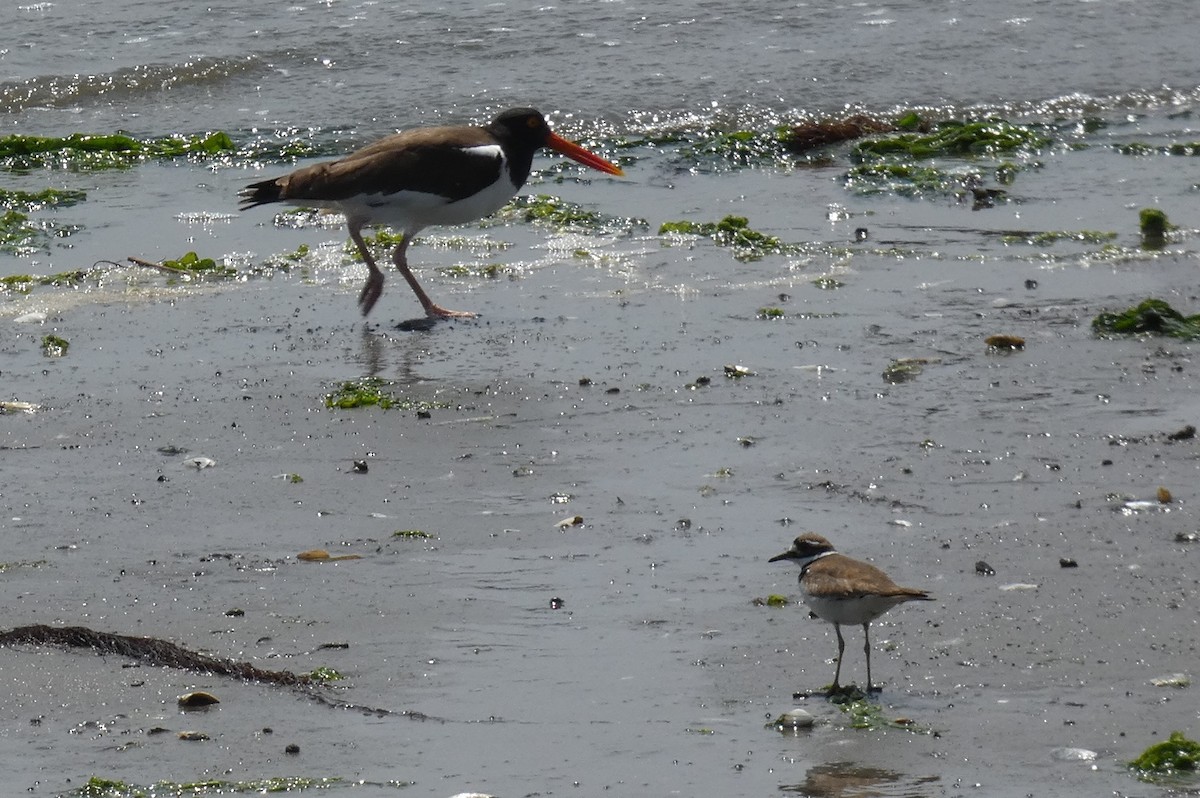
[(525, 125), (521, 131)]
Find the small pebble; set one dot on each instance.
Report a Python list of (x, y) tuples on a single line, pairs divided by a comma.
[(1067, 562), (292, 749), (360, 466), (983, 569)]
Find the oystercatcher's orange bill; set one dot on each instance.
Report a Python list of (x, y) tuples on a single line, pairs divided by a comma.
[(577, 153)]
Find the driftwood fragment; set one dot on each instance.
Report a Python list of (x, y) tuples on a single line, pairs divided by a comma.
[(150, 650), (812, 135)]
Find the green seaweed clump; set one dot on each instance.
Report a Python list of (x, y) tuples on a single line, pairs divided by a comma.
[(366, 392), (412, 533), (554, 211), (37, 200), (325, 674), (904, 369), (1176, 753), (1154, 226), (864, 714), (194, 264), (906, 179), (732, 231), (373, 392), (20, 235), (1151, 317), (103, 151), (1049, 237), (771, 313), (952, 138), (54, 345), (739, 147), (23, 283)]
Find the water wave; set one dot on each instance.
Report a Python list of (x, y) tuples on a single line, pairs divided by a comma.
[(59, 91)]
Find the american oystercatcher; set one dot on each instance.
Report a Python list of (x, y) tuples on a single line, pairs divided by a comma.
[(422, 177)]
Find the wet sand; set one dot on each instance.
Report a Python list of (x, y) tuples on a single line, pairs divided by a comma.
[(657, 674)]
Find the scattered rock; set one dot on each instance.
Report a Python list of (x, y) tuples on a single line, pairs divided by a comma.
[(737, 372), (983, 569), (1179, 680), (794, 719), (320, 555), (1184, 434), (1004, 343), (197, 699)]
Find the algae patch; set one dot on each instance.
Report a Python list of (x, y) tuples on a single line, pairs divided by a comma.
[(90, 151), (21, 235), (55, 345), (954, 138), (1154, 226), (24, 283), (192, 263), (376, 392), (1048, 238), (900, 163), (325, 674), (556, 212), (413, 534), (1150, 317), (864, 714), (1168, 758), (735, 232)]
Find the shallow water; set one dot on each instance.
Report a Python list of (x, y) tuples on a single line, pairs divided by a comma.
[(658, 674)]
